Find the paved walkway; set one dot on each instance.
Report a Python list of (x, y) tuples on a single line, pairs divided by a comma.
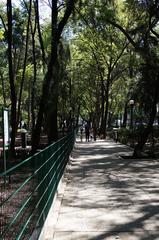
[(107, 197)]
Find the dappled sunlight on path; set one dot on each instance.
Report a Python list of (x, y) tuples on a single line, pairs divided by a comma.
[(108, 197)]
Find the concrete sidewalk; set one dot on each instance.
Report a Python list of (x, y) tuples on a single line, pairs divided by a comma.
[(107, 197)]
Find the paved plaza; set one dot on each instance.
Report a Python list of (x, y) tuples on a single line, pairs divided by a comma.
[(107, 197)]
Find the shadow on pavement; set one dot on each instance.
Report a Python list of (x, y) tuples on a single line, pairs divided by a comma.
[(114, 195)]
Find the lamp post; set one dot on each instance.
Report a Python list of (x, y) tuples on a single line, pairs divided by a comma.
[(131, 102)]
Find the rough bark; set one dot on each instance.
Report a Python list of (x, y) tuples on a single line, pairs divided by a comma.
[(154, 75), (52, 106), (11, 78)]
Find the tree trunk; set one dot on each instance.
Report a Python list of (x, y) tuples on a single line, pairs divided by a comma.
[(29, 105), (56, 34), (141, 143), (3, 89), (106, 111), (95, 121), (78, 114), (25, 62), (33, 31), (52, 106), (42, 107), (104, 128), (102, 106), (125, 115), (148, 130), (47, 81), (11, 78)]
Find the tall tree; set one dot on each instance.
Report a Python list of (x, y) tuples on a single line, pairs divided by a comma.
[(11, 76), (144, 39), (25, 59), (57, 27)]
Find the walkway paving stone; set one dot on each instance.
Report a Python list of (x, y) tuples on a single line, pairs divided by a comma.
[(108, 197)]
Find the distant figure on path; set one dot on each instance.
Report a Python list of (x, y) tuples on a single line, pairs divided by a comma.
[(81, 131), (87, 131)]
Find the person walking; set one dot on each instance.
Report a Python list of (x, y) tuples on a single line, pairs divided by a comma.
[(87, 131), (81, 131)]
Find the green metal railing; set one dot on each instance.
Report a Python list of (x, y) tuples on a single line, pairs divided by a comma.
[(27, 195)]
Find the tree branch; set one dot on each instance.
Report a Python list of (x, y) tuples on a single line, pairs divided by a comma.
[(135, 45), (119, 56), (151, 28), (36, 7), (61, 6), (62, 23), (98, 64)]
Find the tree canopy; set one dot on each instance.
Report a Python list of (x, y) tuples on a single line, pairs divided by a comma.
[(84, 59)]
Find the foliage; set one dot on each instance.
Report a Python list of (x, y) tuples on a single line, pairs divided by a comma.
[(108, 54)]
